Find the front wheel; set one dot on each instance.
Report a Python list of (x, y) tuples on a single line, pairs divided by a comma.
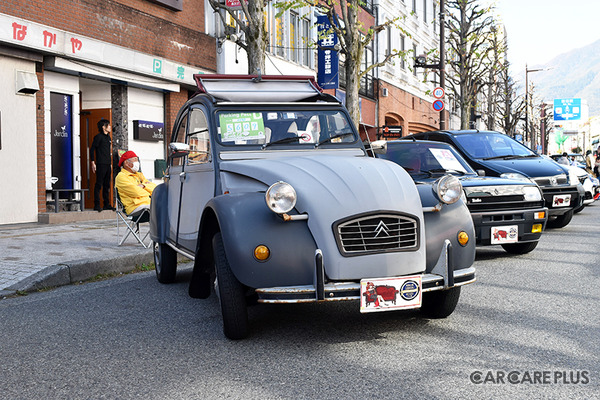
[(165, 262), (562, 220), (231, 294), (519, 248), (441, 303)]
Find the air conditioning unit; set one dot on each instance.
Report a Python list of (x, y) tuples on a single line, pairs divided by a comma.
[(384, 92)]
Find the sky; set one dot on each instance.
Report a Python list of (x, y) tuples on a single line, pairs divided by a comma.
[(539, 30)]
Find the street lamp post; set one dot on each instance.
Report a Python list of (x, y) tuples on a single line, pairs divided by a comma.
[(527, 136)]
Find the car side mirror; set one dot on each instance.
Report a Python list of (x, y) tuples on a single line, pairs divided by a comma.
[(177, 150), (481, 172), (379, 146)]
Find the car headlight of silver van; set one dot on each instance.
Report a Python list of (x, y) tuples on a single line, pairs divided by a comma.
[(532, 193), (281, 197), (573, 178), (448, 189)]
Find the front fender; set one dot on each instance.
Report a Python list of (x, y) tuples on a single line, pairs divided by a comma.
[(159, 214), (245, 222), (446, 224)]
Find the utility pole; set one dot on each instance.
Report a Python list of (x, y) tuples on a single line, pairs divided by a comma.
[(421, 61), (527, 136), (442, 60)]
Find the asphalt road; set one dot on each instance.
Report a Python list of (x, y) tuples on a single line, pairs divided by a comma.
[(528, 328)]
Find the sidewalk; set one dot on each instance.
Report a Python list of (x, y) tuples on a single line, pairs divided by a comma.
[(35, 256)]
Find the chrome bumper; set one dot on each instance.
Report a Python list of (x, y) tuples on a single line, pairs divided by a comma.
[(442, 277), (343, 291)]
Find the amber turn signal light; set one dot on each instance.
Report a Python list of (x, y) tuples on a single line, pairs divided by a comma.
[(261, 252), (535, 228), (539, 215), (463, 238)]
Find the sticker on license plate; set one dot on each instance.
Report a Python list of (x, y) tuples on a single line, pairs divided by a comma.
[(385, 294), (561, 200), (504, 234)]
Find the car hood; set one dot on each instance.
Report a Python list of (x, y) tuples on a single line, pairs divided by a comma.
[(331, 188), (530, 167), (336, 186)]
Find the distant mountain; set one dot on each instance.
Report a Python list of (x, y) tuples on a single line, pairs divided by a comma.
[(575, 74)]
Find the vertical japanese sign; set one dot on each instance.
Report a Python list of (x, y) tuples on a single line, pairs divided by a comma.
[(61, 147), (328, 58)]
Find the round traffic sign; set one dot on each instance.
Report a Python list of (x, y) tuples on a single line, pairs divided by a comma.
[(438, 105), (438, 92)]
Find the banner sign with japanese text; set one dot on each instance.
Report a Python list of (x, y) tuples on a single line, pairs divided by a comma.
[(328, 58)]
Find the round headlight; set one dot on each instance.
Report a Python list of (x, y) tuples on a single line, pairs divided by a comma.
[(448, 189), (516, 176), (281, 197), (532, 193)]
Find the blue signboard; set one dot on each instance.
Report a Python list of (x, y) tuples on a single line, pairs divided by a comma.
[(567, 109), (61, 142), (328, 58)]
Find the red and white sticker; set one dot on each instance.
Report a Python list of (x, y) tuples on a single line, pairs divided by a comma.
[(561, 200), (505, 234)]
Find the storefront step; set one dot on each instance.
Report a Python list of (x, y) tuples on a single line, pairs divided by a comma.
[(74, 216)]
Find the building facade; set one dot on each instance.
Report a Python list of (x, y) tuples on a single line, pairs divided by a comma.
[(66, 65)]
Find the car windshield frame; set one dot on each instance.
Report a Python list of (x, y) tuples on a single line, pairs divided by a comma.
[(438, 161), (276, 126), (492, 145)]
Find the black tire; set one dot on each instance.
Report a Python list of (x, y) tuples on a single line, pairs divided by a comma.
[(231, 294), (519, 248), (165, 262), (579, 209), (561, 221), (441, 303)]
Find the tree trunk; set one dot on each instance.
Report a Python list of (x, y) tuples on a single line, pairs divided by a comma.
[(256, 37), (352, 87)]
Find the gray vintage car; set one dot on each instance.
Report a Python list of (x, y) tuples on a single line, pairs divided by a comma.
[(271, 193)]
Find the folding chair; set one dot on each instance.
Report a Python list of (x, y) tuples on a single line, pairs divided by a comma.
[(132, 222)]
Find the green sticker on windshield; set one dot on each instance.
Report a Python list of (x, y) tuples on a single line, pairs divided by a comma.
[(241, 126)]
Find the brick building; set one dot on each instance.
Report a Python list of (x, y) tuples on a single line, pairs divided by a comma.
[(65, 65)]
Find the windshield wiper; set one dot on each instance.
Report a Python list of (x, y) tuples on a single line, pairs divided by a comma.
[(339, 135), (505, 157), (285, 140), (438, 170)]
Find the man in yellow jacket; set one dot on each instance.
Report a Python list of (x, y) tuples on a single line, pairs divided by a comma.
[(133, 187)]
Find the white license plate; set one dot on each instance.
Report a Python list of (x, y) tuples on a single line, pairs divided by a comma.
[(561, 200), (385, 294), (505, 234)]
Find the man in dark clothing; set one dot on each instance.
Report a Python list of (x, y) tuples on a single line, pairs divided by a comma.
[(100, 155)]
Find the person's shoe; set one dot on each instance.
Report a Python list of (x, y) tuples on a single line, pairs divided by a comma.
[(109, 208), (98, 209)]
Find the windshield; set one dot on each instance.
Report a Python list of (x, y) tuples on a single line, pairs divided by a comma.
[(295, 127), (492, 145), (426, 158)]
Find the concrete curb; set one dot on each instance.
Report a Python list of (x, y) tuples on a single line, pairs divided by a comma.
[(77, 271)]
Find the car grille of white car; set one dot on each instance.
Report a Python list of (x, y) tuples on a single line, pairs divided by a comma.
[(378, 233)]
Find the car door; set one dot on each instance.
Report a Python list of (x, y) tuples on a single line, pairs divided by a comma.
[(197, 178), (173, 182)]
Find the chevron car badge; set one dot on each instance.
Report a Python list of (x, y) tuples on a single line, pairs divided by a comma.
[(382, 229)]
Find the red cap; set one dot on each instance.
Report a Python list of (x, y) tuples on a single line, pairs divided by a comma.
[(126, 156)]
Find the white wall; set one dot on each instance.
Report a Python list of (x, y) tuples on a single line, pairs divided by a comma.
[(18, 156), (146, 105)]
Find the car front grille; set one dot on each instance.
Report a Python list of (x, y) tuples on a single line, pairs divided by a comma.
[(556, 180), (377, 233), (498, 198)]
